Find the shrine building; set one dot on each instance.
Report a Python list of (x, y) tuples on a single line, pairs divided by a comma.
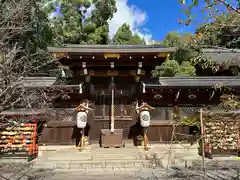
[(114, 80)]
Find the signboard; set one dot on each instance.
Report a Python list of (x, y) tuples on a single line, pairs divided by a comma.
[(59, 55), (163, 55), (112, 73), (112, 55), (134, 72)]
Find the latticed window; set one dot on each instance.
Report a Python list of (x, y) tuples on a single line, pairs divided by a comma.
[(64, 114), (162, 113), (167, 113), (103, 102), (189, 111)]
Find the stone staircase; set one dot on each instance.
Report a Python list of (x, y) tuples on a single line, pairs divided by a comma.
[(95, 158), (99, 158)]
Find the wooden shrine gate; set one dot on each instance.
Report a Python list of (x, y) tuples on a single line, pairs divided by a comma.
[(124, 113), (61, 129)]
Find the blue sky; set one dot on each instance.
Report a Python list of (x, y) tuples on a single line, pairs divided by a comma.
[(153, 19), (163, 17)]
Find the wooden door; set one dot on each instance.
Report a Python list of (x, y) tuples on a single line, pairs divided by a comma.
[(124, 113)]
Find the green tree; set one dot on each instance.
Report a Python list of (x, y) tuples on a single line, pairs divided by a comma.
[(186, 69), (173, 39), (68, 26), (212, 7), (137, 40), (96, 26), (186, 54), (124, 35), (169, 68), (183, 61), (73, 27), (224, 31), (172, 68)]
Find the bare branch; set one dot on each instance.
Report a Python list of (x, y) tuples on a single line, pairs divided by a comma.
[(229, 6), (18, 57)]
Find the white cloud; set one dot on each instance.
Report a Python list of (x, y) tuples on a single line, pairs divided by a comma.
[(131, 15)]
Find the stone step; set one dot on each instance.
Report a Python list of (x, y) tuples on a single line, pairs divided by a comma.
[(89, 156), (109, 164), (120, 156), (112, 164)]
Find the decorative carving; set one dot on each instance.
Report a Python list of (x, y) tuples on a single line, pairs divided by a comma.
[(192, 96), (158, 96), (65, 97)]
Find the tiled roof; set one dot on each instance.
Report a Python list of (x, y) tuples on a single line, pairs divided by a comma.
[(111, 49), (38, 81), (219, 55), (152, 82), (223, 56), (208, 81)]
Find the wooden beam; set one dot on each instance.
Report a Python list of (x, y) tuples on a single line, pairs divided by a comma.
[(112, 72), (117, 63)]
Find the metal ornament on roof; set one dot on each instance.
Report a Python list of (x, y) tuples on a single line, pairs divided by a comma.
[(177, 95), (212, 95), (80, 88)]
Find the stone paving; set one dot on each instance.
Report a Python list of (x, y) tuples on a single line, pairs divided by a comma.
[(62, 162), (142, 174), (128, 157)]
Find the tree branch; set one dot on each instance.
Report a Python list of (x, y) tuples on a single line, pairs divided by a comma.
[(229, 6)]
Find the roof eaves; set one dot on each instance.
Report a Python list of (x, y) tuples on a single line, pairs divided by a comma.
[(110, 50), (195, 82)]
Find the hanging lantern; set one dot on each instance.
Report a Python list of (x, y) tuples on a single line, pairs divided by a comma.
[(144, 114), (145, 119), (81, 119)]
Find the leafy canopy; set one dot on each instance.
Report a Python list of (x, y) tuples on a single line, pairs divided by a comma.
[(124, 35), (75, 26)]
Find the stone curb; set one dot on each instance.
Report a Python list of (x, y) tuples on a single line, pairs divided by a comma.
[(153, 164), (96, 164)]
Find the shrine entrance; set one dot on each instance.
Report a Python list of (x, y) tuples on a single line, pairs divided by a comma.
[(117, 102), (111, 79)]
